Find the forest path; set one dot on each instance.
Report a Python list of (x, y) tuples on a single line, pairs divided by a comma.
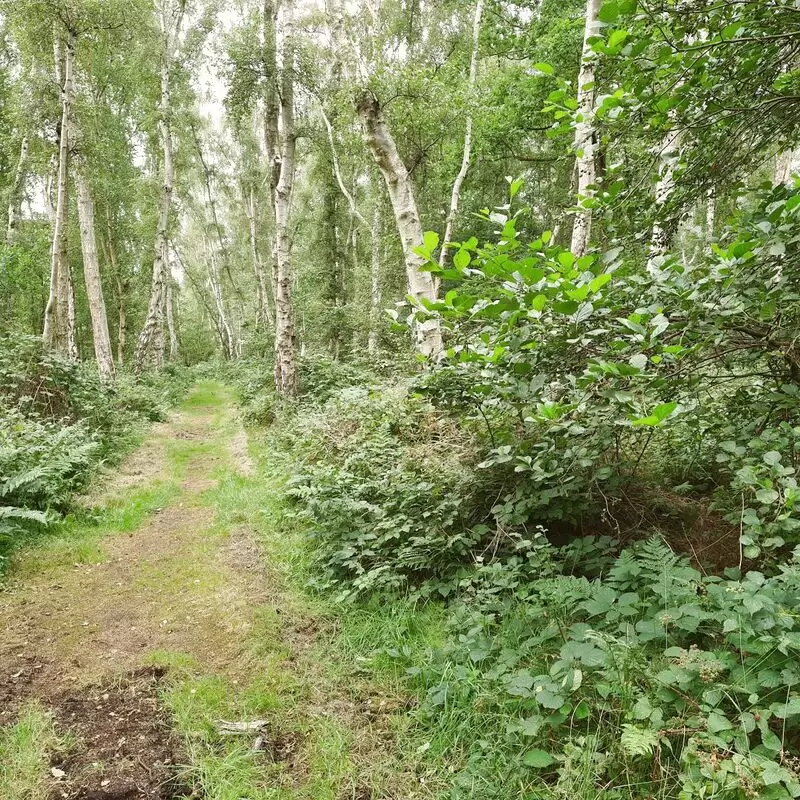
[(126, 636)]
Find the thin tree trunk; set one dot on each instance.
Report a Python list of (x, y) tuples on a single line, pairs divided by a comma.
[(212, 204), (173, 335), (271, 136), (375, 277), (584, 133), (710, 215), (421, 285), (91, 274), (227, 341), (122, 288), (151, 344), (122, 321), (455, 197), (662, 232), (263, 312), (17, 191), (784, 167), (59, 315), (285, 367)]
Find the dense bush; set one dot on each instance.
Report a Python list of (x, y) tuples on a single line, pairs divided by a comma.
[(657, 681), (58, 421), (387, 484), (580, 396)]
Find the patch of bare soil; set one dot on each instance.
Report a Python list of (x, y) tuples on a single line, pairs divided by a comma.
[(135, 471), (124, 748), (240, 457), (75, 639)]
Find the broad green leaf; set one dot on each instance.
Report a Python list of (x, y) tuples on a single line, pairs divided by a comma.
[(461, 258), (657, 415), (430, 240), (538, 759), (566, 259)]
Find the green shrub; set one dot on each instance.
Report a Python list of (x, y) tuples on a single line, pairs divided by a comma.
[(389, 508), (58, 421)]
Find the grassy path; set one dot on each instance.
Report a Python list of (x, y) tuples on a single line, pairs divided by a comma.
[(161, 611)]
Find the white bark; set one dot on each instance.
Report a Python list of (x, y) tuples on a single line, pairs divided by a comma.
[(91, 274), (465, 161), (17, 191), (150, 348), (584, 133), (59, 315), (381, 144), (263, 312), (785, 166), (661, 235), (173, 335), (375, 277), (711, 211), (285, 367), (375, 239), (214, 284), (421, 285)]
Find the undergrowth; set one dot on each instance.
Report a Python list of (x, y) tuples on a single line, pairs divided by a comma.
[(58, 424), (538, 486)]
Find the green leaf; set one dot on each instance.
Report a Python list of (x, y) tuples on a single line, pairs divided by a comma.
[(657, 415), (566, 259), (565, 307), (617, 38), (548, 699), (718, 722), (538, 759), (547, 69), (599, 282), (608, 12), (538, 302), (461, 258), (430, 240)]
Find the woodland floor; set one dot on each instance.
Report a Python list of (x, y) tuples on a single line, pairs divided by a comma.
[(163, 609)]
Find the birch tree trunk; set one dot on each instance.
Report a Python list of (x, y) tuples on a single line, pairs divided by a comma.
[(375, 232), (17, 190), (662, 232), (462, 173), (122, 321), (150, 347), (91, 274), (710, 215), (263, 312), (785, 167), (421, 285), (285, 368), (223, 326), (173, 334), (122, 288), (271, 138), (584, 133), (375, 277), (59, 314)]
